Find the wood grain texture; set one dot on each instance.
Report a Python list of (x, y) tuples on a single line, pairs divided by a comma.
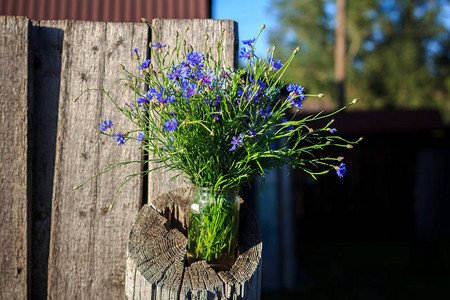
[(165, 29), (157, 249), (15, 157), (88, 241), (47, 41)]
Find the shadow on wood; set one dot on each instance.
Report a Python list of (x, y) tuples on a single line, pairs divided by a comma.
[(156, 256)]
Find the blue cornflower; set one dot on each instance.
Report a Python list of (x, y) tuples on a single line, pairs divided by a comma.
[(119, 138), (245, 96), (333, 130), (141, 136), (189, 89), (266, 113), (136, 54), (178, 73), (165, 101), (159, 46), (207, 77), (249, 42), (236, 142), (142, 100), (295, 88), (297, 102), (341, 170), (152, 92), (105, 125), (275, 64), (245, 53), (144, 65), (195, 58), (252, 133), (170, 126), (296, 94)]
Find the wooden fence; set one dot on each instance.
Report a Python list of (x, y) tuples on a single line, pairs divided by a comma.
[(57, 242)]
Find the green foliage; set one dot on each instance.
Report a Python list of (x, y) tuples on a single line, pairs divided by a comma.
[(213, 225), (397, 51)]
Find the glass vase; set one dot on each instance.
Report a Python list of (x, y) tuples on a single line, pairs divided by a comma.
[(213, 227)]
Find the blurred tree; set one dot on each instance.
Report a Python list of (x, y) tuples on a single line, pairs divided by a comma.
[(397, 50)]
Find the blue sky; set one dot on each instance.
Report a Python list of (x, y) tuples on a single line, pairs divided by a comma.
[(250, 16)]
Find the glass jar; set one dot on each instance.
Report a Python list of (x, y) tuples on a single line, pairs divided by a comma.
[(213, 227)]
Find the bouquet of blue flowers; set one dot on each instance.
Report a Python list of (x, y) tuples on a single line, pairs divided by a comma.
[(218, 126)]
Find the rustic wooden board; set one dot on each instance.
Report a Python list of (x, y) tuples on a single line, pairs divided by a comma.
[(156, 255), (47, 41), (15, 157), (88, 241), (165, 30)]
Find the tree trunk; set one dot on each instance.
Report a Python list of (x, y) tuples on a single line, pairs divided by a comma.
[(156, 256)]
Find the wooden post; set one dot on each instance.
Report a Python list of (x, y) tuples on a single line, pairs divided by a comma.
[(156, 256), (15, 162), (88, 241)]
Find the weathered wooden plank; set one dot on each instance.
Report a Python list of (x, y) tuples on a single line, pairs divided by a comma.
[(47, 41), (195, 36), (88, 241), (15, 157)]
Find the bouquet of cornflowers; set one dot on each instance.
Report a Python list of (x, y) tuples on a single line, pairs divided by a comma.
[(219, 127)]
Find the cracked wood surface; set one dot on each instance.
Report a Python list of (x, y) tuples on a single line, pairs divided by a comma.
[(156, 256)]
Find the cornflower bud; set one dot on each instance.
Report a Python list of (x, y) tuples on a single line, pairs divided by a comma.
[(340, 158), (263, 26), (206, 37), (349, 146), (296, 50), (122, 66), (190, 48), (321, 95), (355, 100), (177, 34)]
